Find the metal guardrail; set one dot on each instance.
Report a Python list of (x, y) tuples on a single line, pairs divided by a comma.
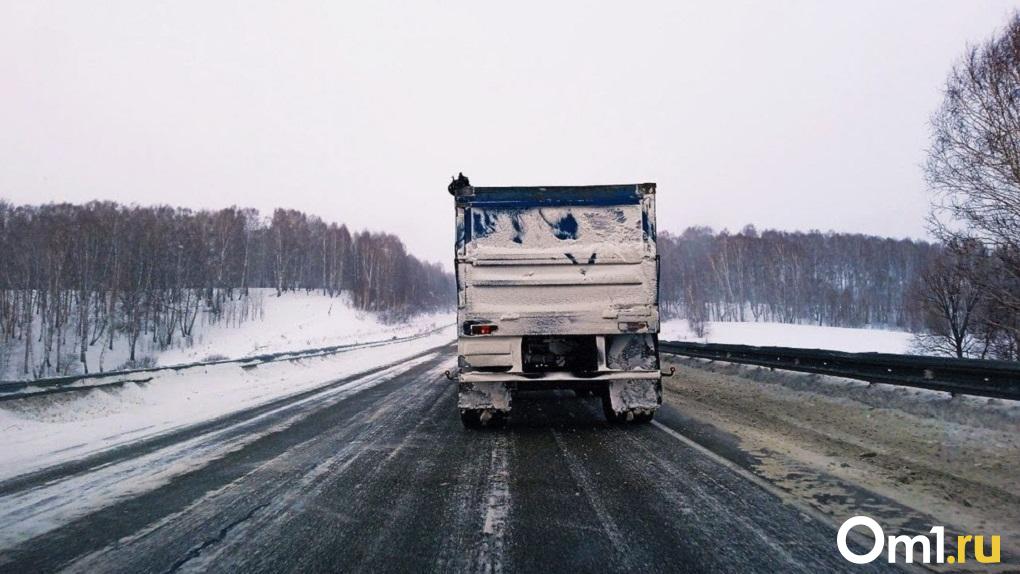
[(10, 390), (998, 379)]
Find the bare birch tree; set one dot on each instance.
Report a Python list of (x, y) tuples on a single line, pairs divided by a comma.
[(973, 169)]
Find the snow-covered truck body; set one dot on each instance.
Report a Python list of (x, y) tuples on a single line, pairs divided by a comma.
[(557, 288)]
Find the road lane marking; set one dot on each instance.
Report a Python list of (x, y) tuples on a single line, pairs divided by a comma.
[(782, 495), (744, 473)]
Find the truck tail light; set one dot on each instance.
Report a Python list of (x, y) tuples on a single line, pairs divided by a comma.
[(631, 326), (484, 329)]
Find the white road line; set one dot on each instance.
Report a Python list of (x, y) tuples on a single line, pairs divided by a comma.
[(744, 473), (783, 495)]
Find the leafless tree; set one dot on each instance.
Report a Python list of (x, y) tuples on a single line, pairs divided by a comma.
[(973, 169), (953, 304)]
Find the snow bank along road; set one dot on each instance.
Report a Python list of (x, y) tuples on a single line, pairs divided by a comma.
[(373, 472)]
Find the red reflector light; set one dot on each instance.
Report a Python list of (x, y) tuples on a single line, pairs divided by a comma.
[(632, 326), (483, 329)]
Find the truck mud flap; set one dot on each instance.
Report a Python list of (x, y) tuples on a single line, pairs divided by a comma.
[(484, 396), (636, 395)]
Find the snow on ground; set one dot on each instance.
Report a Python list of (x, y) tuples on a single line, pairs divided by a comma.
[(797, 336), (260, 323), (44, 431), (296, 321)]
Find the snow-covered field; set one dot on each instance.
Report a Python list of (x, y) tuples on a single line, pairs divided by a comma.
[(43, 431), (292, 322), (260, 323), (798, 336)]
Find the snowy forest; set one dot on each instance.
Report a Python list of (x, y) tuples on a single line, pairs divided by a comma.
[(835, 279), (77, 276), (960, 298)]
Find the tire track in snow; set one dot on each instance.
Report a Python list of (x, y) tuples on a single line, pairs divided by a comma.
[(496, 509), (275, 487), (31, 513), (694, 497), (584, 482), (101, 454), (272, 524)]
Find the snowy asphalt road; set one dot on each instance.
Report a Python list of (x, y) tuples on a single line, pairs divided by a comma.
[(375, 473)]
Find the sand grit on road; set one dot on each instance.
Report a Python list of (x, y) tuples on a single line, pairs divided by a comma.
[(907, 457)]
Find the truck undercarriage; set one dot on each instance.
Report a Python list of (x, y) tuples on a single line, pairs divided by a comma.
[(623, 373)]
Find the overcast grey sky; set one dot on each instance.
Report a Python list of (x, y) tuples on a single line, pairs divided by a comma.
[(794, 115)]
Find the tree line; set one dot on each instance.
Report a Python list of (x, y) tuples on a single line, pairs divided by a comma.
[(76, 276), (836, 279)]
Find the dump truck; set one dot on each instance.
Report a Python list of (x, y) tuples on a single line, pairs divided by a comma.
[(557, 288)]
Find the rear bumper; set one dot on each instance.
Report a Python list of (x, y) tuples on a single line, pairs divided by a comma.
[(564, 322), (552, 380), (502, 358), (634, 391)]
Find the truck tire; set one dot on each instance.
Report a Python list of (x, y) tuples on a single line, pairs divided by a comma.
[(607, 408), (481, 418), (643, 418), (471, 418), (630, 416)]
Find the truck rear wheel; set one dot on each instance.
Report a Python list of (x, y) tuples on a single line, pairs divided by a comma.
[(481, 418), (636, 416), (643, 418)]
